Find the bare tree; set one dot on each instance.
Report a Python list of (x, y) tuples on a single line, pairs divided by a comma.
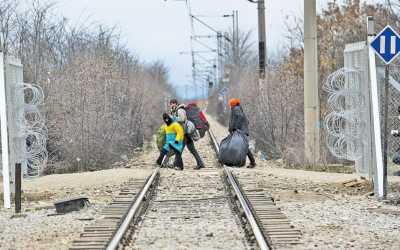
[(101, 101)]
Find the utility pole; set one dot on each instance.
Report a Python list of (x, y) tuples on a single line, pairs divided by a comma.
[(235, 35), (237, 38), (311, 96), (233, 43), (262, 48), (220, 62)]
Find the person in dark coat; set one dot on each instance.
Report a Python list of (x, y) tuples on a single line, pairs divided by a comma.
[(179, 114), (239, 121)]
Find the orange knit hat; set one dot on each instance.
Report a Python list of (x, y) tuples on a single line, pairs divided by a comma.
[(234, 102)]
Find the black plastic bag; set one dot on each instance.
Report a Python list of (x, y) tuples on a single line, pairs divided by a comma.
[(233, 150)]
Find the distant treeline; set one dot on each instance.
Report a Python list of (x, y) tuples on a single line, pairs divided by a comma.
[(101, 100)]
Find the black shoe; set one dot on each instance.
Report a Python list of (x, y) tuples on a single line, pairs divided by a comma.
[(198, 167), (252, 165), (178, 168)]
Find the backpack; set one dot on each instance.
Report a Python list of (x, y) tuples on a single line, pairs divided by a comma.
[(191, 131), (195, 115)]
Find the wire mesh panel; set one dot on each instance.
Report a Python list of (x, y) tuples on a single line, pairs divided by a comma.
[(393, 101), (356, 58), (15, 109)]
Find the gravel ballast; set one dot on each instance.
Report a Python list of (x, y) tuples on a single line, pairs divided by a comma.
[(329, 214)]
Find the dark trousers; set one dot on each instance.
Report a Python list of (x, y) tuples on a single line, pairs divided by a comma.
[(178, 158), (251, 158), (163, 158), (192, 149)]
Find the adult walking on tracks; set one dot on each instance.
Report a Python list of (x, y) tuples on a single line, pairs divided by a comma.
[(238, 121), (174, 135), (191, 134)]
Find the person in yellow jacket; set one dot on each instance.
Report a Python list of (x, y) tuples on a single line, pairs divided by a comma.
[(173, 141)]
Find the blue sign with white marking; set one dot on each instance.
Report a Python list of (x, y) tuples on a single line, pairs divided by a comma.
[(387, 44)]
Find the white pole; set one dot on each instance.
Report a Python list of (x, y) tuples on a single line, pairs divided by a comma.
[(311, 96), (375, 113), (4, 136)]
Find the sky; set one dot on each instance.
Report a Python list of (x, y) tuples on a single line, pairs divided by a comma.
[(160, 30)]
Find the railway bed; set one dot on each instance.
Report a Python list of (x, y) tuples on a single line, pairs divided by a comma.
[(214, 208)]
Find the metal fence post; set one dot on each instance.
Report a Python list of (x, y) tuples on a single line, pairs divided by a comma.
[(18, 180), (378, 180), (385, 130)]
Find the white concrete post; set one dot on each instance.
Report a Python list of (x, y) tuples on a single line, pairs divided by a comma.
[(4, 136), (311, 97)]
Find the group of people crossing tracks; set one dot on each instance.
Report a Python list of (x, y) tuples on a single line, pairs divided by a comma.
[(191, 209), (184, 125)]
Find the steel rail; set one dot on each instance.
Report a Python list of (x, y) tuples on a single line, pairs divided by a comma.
[(214, 141), (115, 241), (262, 243), (249, 215)]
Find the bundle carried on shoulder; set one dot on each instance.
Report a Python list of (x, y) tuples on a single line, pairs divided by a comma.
[(233, 149), (160, 137), (197, 117)]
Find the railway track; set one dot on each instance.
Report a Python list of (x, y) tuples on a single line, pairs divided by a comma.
[(190, 210), (150, 214), (263, 221), (117, 218)]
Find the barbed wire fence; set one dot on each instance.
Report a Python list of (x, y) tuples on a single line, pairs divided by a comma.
[(344, 124), (34, 129)]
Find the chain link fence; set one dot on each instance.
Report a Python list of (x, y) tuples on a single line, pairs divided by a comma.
[(390, 75)]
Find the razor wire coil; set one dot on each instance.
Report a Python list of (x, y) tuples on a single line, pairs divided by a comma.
[(343, 123), (33, 129)]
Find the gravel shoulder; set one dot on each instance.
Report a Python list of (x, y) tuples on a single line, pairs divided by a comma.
[(40, 227), (330, 213)]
